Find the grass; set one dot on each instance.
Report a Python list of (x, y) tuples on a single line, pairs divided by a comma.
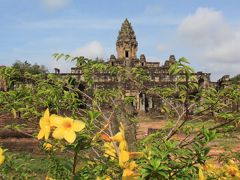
[(20, 165)]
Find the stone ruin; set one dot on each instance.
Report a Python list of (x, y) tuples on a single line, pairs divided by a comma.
[(126, 56)]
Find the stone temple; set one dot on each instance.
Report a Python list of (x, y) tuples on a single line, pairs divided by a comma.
[(126, 56)]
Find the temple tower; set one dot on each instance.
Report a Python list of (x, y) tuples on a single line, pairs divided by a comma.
[(127, 44)]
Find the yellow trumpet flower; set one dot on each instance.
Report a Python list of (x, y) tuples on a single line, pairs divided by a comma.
[(47, 146), (123, 157), (2, 157), (200, 174), (55, 120), (66, 129), (109, 150), (120, 136), (49, 178), (129, 173), (45, 126), (123, 146)]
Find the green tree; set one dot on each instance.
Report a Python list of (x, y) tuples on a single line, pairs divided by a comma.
[(165, 157), (25, 66), (236, 79)]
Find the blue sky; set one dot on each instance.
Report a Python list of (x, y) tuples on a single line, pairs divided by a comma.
[(207, 32)]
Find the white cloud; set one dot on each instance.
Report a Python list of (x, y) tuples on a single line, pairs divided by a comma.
[(214, 42), (55, 4), (206, 27), (226, 52), (91, 50)]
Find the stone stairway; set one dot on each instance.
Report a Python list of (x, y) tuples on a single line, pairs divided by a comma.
[(14, 140)]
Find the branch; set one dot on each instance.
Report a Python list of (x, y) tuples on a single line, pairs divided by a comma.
[(199, 135), (175, 129)]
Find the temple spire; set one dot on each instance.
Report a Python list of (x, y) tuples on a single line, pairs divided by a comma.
[(126, 44)]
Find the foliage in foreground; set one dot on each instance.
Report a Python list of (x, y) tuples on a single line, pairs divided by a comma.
[(74, 123)]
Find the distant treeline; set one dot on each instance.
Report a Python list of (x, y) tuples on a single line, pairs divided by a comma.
[(236, 79), (25, 66)]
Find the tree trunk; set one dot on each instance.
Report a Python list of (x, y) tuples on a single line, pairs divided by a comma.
[(124, 114)]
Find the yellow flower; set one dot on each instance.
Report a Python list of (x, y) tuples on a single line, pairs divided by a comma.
[(200, 174), (231, 162), (45, 126), (2, 157), (132, 165), (210, 167), (108, 178), (123, 157), (232, 170), (47, 146), (66, 129), (123, 153), (109, 150), (127, 174), (123, 146), (120, 136), (48, 178), (55, 120), (237, 176), (129, 171)]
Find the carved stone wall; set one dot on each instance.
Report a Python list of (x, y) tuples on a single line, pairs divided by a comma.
[(126, 44)]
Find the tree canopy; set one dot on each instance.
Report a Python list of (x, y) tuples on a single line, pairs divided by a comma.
[(236, 78), (25, 66)]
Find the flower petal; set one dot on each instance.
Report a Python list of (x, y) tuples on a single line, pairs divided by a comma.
[(123, 157), (130, 175), (58, 133), (46, 114), (118, 137), (123, 146), (68, 120), (47, 146), (2, 159), (56, 120), (105, 137), (109, 150), (47, 132), (41, 134), (42, 122), (127, 172), (200, 174), (132, 165), (70, 136), (78, 125)]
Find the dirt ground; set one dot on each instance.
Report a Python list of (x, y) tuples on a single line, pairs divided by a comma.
[(217, 146)]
